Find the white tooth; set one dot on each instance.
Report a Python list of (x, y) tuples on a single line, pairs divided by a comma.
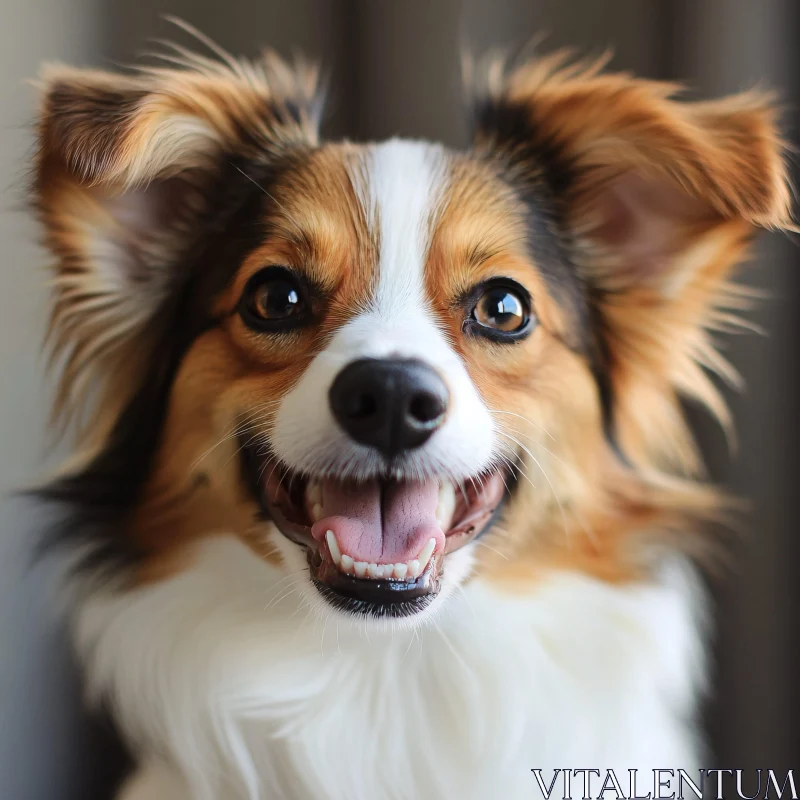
[(314, 493), (347, 564), (372, 570), (446, 505), (413, 569), (381, 571), (400, 571), (388, 571), (425, 554), (316, 512), (360, 568), (333, 546)]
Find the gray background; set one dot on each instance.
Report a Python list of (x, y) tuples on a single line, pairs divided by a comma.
[(394, 67)]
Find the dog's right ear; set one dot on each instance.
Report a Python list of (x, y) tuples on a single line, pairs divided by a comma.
[(126, 167)]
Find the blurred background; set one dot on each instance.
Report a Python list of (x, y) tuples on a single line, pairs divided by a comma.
[(394, 67)]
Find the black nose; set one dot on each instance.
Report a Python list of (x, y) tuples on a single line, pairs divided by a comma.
[(389, 404)]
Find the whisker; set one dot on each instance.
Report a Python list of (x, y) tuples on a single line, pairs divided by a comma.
[(520, 469), (488, 547), (285, 578), (508, 463), (546, 477), (290, 590), (534, 440), (524, 419), (240, 448), (408, 649), (226, 438), (271, 197), (244, 426)]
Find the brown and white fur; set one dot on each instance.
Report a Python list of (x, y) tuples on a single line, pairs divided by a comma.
[(570, 632)]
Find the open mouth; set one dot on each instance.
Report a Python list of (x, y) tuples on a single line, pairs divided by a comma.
[(376, 546)]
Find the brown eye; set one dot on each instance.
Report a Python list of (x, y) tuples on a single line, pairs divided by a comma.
[(276, 300), (273, 300), (500, 309), (501, 312)]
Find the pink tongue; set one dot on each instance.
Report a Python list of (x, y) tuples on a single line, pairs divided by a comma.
[(380, 523)]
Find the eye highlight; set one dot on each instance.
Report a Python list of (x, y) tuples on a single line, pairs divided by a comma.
[(500, 310), (275, 299)]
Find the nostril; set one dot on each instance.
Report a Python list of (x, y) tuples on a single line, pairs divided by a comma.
[(426, 407)]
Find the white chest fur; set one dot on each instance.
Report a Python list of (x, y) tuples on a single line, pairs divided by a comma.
[(223, 673)]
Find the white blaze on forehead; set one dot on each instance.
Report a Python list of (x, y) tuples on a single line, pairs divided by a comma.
[(405, 184), (402, 187)]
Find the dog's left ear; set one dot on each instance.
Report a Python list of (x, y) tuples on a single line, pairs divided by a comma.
[(656, 199)]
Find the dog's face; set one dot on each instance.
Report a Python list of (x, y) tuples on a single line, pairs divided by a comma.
[(386, 366)]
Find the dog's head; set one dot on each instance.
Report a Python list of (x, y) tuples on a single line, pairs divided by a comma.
[(390, 364)]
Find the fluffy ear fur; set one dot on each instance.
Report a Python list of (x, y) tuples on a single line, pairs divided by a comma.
[(124, 169), (659, 199)]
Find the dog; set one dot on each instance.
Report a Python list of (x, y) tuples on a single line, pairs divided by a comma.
[(382, 486)]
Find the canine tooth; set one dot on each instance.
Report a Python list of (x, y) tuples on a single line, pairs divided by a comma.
[(446, 505), (333, 546), (413, 569), (316, 512), (400, 571), (360, 568), (347, 564), (372, 570), (425, 554)]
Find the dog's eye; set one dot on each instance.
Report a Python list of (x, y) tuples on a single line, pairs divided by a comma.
[(501, 311), (274, 299)]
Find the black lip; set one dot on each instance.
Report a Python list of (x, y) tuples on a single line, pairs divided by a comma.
[(375, 598), (379, 609), (369, 597)]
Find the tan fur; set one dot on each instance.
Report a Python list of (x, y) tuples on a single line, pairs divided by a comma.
[(711, 171), (232, 379), (703, 177), (171, 119), (726, 153), (102, 136), (480, 233), (662, 199)]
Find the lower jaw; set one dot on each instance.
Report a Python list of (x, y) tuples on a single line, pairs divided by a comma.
[(402, 609), (360, 597)]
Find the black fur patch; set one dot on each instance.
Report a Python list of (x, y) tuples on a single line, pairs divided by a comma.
[(88, 120), (543, 177), (508, 125), (93, 506)]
